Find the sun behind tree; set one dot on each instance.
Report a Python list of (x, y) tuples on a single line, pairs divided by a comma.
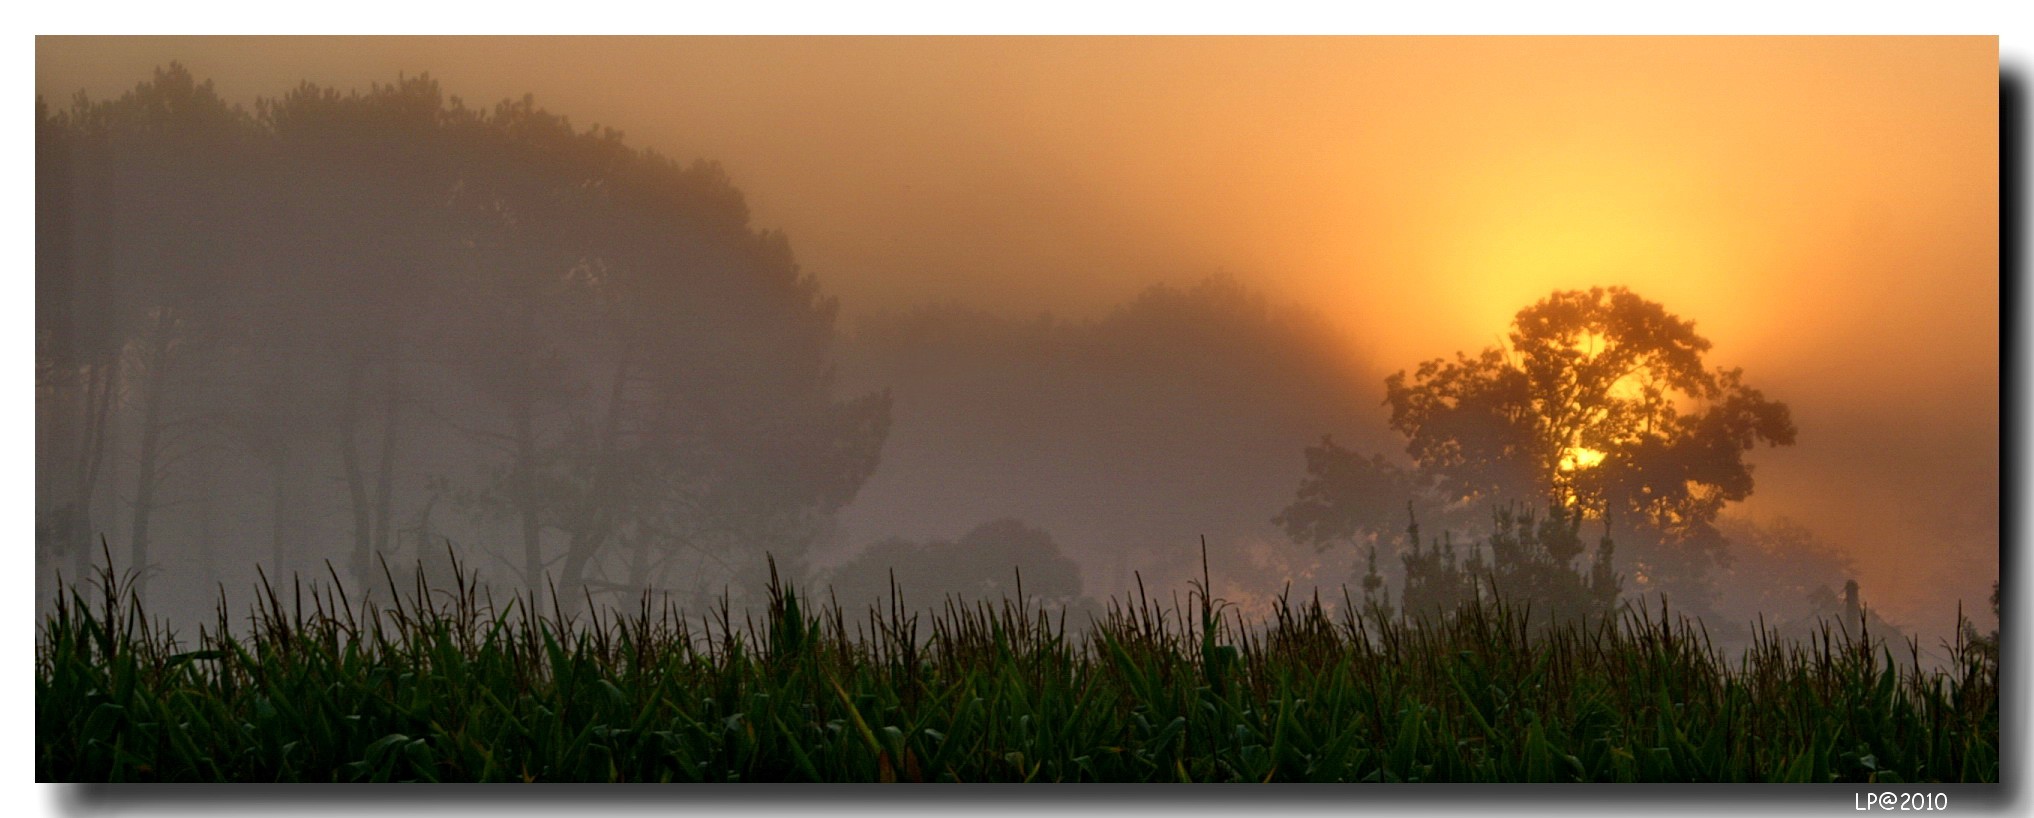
[(1601, 403)]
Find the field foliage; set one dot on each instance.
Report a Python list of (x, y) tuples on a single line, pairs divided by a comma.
[(443, 684)]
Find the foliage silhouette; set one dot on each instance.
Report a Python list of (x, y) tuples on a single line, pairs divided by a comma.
[(987, 563), (1128, 435), (349, 306), (1601, 403), (1529, 560)]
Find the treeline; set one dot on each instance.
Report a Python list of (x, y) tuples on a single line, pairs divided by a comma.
[(1128, 435), (366, 326), (347, 326)]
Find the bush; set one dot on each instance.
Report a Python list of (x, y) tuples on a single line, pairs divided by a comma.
[(1528, 561)]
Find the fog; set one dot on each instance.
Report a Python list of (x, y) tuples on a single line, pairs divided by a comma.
[(1108, 290)]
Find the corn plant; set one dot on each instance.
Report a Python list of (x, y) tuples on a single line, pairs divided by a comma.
[(447, 684)]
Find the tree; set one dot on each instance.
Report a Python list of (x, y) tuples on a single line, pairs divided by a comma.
[(1350, 498), (137, 189), (1601, 403), (1181, 400), (341, 299), (1775, 568), (1531, 564), (350, 166), (657, 372), (984, 565), (1587, 407)]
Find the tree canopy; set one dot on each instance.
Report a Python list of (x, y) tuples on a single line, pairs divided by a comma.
[(1129, 434), (1601, 402), (378, 306)]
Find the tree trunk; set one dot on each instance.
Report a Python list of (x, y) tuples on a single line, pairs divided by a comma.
[(638, 549), (101, 379), (596, 517), (576, 558), (373, 512), (526, 496), (356, 482), (208, 502), (384, 487), (153, 396)]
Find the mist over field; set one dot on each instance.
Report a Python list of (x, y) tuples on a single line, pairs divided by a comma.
[(941, 310)]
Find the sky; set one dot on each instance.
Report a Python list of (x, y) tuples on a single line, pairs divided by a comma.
[(1825, 209)]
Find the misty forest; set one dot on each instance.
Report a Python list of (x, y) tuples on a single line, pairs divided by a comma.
[(380, 436)]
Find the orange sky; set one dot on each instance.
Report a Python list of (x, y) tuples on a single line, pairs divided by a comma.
[(1824, 208)]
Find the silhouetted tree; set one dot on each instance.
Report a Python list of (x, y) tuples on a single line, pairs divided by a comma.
[(1437, 580), (77, 349), (371, 292), (1532, 562), (1773, 568), (1348, 498), (659, 370), (134, 281), (366, 292), (1601, 403), (1129, 435), (1985, 645), (1586, 407), (983, 565)]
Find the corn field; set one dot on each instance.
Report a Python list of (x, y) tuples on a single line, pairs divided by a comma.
[(443, 684)]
